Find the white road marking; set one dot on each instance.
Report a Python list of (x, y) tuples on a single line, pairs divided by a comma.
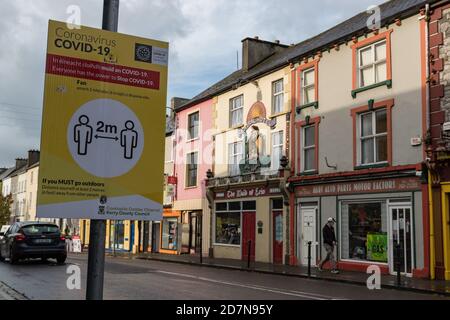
[(253, 287)]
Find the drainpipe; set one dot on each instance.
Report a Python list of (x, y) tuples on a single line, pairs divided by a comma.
[(432, 244)]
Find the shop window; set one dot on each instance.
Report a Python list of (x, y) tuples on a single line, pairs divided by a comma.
[(193, 125), (364, 230), (236, 111), (277, 96), (221, 206), (228, 228), (232, 206), (169, 234)]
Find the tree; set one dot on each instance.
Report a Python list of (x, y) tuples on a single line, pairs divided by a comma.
[(5, 209)]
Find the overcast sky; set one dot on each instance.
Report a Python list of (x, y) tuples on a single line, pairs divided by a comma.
[(204, 37)]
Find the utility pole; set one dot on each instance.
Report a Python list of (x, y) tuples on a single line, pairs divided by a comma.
[(96, 258)]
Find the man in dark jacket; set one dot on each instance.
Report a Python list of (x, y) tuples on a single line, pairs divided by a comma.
[(329, 242)]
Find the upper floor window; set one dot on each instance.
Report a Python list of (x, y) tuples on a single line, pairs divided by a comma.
[(372, 64), (308, 83), (236, 111), (191, 169), (193, 125), (235, 155), (277, 96), (277, 149), (373, 137), (309, 148)]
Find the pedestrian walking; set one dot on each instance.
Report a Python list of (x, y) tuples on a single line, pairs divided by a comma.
[(329, 242)]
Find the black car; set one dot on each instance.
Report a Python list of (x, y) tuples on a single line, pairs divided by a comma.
[(25, 240)]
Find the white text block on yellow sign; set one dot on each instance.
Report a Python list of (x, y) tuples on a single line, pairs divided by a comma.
[(103, 130)]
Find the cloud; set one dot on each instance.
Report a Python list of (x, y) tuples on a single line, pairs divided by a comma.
[(204, 37)]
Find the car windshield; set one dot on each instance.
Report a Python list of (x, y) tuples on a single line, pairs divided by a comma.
[(39, 229)]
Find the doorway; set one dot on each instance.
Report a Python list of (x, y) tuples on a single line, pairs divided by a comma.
[(156, 236), (277, 236), (401, 240), (195, 229), (249, 230), (308, 232)]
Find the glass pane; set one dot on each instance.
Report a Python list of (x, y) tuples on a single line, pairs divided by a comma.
[(366, 125), (278, 103), (277, 204), (310, 156), (381, 148), (381, 72), (228, 228), (276, 156), (279, 228), (221, 206), (169, 234), (234, 205), (366, 238), (408, 241), (381, 121), (380, 51), (310, 134), (249, 205), (367, 77), (278, 86), (366, 57), (309, 95), (367, 151), (308, 77)]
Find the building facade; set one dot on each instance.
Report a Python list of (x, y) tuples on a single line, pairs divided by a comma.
[(192, 160)]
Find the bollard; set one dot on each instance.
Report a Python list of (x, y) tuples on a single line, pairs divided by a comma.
[(398, 264), (249, 246), (309, 258)]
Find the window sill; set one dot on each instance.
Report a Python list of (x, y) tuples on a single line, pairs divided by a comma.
[(308, 173), (192, 140), (387, 83), (315, 105), (227, 245), (372, 166), (190, 188)]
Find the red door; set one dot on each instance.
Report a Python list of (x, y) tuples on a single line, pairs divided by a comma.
[(277, 237), (248, 234)]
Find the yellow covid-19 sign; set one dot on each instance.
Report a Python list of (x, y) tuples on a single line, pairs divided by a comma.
[(103, 128)]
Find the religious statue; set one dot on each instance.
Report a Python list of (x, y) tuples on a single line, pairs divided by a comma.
[(253, 146)]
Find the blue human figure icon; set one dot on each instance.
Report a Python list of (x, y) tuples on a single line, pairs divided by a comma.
[(128, 140), (82, 135)]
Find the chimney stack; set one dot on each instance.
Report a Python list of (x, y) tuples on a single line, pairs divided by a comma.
[(33, 157), (20, 163), (254, 51)]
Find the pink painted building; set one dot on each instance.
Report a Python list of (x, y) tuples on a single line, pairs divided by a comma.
[(192, 158)]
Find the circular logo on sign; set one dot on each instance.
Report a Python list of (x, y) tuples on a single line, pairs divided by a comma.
[(105, 138), (143, 53)]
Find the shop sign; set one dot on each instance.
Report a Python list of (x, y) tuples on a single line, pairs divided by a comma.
[(247, 193), (172, 180), (357, 187)]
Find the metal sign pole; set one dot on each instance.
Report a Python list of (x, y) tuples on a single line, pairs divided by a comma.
[(96, 258)]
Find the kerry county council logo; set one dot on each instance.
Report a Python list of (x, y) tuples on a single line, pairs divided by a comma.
[(143, 53)]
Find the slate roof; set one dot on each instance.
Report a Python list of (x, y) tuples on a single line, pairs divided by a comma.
[(7, 173), (342, 32)]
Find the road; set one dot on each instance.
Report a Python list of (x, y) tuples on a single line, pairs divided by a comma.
[(152, 280)]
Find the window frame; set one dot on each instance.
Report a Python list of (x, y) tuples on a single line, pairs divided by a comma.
[(240, 109), (230, 146), (305, 148), (189, 115), (373, 135), (188, 170), (273, 146), (299, 148), (356, 49), (299, 77), (276, 94), (355, 113), (373, 65)]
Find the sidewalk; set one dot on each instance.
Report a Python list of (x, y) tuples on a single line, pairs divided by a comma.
[(387, 281)]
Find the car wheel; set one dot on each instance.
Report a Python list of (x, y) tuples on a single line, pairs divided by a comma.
[(12, 258), (61, 259)]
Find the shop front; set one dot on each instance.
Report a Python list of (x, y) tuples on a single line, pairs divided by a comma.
[(170, 232), (247, 223), (379, 222)]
